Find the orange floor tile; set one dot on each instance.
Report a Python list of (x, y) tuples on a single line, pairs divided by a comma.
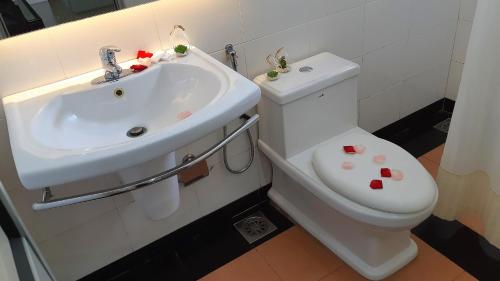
[(432, 159), (249, 267), (296, 255), (435, 154), (431, 166)]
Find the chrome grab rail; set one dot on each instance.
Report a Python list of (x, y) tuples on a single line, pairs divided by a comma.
[(48, 203)]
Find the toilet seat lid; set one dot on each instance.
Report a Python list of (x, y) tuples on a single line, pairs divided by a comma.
[(414, 193)]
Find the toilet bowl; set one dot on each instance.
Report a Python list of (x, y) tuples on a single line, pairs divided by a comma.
[(308, 116)]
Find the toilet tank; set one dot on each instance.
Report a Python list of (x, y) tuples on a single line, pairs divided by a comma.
[(312, 103)]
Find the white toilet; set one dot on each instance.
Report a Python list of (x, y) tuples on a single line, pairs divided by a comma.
[(308, 116)]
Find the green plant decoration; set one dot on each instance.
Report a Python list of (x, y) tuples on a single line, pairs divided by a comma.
[(272, 74), (181, 49), (282, 62)]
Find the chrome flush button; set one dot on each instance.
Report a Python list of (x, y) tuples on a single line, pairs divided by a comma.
[(306, 69)]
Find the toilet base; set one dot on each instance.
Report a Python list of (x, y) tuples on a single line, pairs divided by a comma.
[(374, 252)]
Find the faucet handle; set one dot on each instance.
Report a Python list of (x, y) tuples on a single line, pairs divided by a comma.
[(107, 53), (108, 56), (108, 61)]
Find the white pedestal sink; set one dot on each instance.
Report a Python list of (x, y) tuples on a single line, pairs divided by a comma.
[(161, 199), (73, 130)]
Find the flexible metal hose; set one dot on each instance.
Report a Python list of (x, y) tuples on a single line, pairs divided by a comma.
[(252, 153), (231, 53)]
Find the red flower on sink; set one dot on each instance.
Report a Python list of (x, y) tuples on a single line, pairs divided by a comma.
[(143, 54), (138, 67)]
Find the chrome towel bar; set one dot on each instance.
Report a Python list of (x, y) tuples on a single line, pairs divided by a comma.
[(49, 203)]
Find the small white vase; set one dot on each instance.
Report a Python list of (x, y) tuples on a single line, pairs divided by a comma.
[(181, 54)]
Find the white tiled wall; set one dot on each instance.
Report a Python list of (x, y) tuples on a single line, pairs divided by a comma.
[(404, 47), (467, 11), (407, 50)]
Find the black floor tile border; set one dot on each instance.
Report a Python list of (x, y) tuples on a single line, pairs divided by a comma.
[(415, 124), (463, 246), (198, 248), (424, 142), (415, 132)]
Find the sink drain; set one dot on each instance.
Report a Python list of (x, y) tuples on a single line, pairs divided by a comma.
[(255, 227), (136, 132)]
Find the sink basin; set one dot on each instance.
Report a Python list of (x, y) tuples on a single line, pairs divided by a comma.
[(95, 118), (73, 130)]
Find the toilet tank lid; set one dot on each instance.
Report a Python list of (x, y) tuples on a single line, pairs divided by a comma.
[(327, 70)]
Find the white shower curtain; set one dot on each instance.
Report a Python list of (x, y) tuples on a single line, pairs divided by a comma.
[(469, 176)]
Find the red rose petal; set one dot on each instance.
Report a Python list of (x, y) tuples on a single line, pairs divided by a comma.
[(140, 54), (144, 54), (349, 149), (138, 67), (376, 184), (385, 172)]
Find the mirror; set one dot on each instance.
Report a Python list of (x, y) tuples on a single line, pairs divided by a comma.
[(21, 16)]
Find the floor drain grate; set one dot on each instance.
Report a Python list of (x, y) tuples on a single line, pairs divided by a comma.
[(443, 126), (255, 227)]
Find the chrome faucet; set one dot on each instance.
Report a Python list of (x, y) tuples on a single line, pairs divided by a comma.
[(231, 54), (112, 70), (108, 61)]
